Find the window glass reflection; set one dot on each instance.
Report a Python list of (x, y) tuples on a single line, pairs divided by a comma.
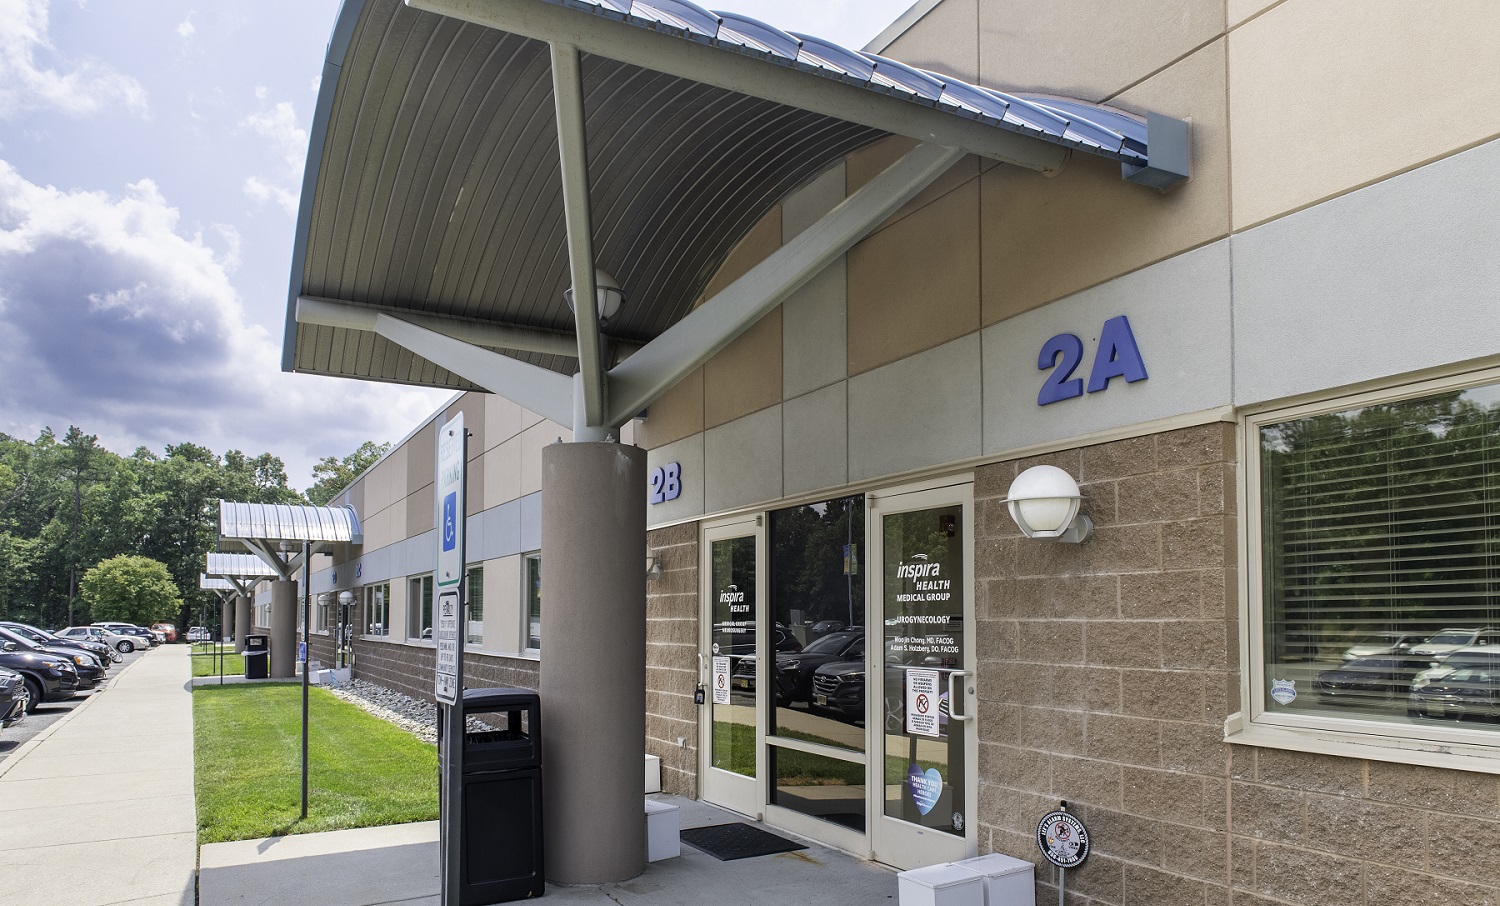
[(823, 787), (817, 588)]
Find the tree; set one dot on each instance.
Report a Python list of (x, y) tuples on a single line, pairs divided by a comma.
[(333, 475), (131, 589)]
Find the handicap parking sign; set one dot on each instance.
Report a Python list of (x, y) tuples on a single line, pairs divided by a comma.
[(450, 521)]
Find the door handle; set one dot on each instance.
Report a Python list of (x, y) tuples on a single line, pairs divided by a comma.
[(955, 692), (702, 673)]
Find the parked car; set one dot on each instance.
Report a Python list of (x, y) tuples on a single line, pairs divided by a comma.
[(1469, 692), (48, 678), (199, 634), (120, 643), (13, 698), (1450, 640), (168, 631), (130, 630), (90, 670), (1383, 643), (793, 679), (1385, 678), (103, 652)]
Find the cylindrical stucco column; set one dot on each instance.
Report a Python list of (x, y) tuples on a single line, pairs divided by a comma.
[(593, 661), (283, 629), (226, 618), (244, 608)]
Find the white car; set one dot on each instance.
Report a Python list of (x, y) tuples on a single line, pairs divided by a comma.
[(1450, 640), (121, 643), (1384, 643), (199, 634)]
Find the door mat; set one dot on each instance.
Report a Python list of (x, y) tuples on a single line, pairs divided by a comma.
[(727, 842)]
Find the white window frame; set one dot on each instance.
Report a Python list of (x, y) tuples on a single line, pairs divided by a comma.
[(385, 609), (414, 608), (473, 573), (526, 647), (1437, 745)]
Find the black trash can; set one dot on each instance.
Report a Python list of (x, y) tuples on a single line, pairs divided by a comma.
[(501, 847), (257, 656)]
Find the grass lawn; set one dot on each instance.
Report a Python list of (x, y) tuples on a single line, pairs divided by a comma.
[(247, 742), (206, 662)]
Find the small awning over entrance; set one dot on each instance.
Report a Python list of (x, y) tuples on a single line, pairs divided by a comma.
[(276, 534), (472, 159)]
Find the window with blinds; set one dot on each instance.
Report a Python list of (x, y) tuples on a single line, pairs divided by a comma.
[(475, 591), (1380, 558)]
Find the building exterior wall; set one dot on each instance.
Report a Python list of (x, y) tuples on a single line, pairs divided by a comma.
[(1337, 235)]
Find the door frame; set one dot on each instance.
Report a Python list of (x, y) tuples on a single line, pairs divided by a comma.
[(891, 840), (745, 795)]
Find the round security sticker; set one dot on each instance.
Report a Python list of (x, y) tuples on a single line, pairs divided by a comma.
[(1062, 839)]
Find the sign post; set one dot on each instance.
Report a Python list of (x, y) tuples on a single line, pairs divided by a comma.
[(1064, 842), (451, 505)]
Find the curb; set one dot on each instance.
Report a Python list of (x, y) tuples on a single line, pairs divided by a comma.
[(26, 747)]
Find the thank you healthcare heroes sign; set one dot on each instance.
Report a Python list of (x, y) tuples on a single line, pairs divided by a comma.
[(451, 465)]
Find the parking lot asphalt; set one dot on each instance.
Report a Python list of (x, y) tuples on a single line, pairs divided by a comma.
[(103, 795), (49, 713)]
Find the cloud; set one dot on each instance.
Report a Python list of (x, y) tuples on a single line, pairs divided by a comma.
[(27, 83), (186, 28), (111, 318), (277, 124)]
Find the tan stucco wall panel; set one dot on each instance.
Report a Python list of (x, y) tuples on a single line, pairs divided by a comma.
[(745, 376), (870, 161), (502, 473), (915, 285), (946, 40), (502, 420), (1089, 49), (1046, 238), (677, 414), (1316, 114), (533, 439)]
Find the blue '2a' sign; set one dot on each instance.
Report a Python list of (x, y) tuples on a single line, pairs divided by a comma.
[(1117, 356)]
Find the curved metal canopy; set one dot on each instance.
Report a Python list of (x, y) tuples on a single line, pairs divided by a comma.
[(283, 522), (434, 190)]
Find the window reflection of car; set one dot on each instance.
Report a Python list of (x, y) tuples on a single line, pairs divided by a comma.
[(1370, 679), (1486, 656), (1383, 643), (793, 679), (742, 665), (1450, 640), (1468, 692)]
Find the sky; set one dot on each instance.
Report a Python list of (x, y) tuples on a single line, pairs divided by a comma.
[(151, 159)]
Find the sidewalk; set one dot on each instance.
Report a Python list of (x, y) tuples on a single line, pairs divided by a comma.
[(98, 809), (398, 866)]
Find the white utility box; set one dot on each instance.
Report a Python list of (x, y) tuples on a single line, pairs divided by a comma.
[(663, 831), (653, 774), (940, 885), (1008, 881)]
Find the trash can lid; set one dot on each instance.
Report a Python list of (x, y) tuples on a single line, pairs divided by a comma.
[(497, 698)]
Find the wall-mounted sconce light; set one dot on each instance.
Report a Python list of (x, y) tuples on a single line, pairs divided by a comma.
[(1044, 501), (653, 568)]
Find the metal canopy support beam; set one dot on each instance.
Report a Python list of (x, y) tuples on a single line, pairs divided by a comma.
[(347, 315), (639, 380), (263, 550), (544, 392), (701, 62), (572, 148)]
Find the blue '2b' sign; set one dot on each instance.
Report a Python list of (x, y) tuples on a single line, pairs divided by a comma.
[(666, 482), (1118, 356), (450, 521)]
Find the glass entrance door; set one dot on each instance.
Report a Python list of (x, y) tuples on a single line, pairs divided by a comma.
[(923, 780), (729, 670)]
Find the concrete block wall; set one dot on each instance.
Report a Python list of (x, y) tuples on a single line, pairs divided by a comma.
[(408, 669), (1107, 669), (1106, 672), (672, 657)]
